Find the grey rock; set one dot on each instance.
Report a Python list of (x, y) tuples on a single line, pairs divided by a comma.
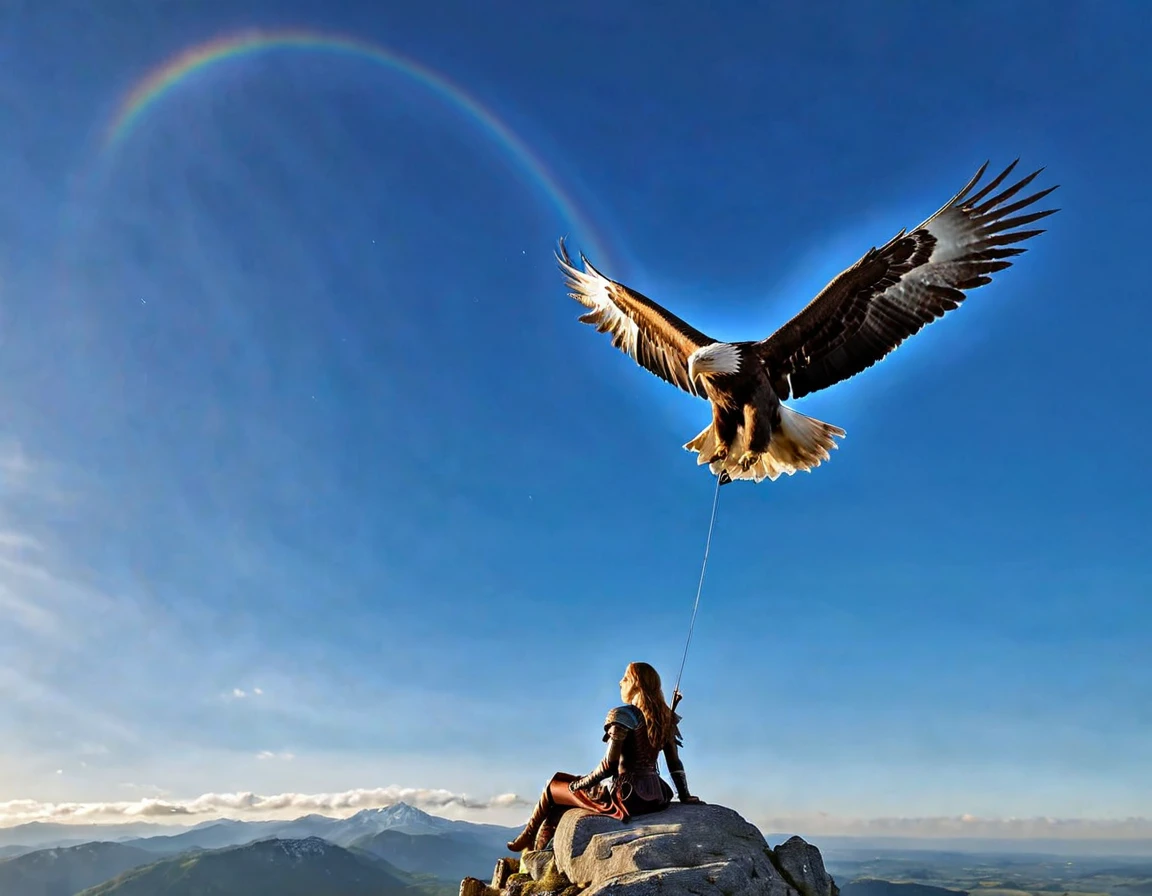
[(505, 868), (685, 849), (803, 867), (536, 863)]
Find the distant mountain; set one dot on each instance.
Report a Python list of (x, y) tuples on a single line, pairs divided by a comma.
[(398, 817), (869, 887), (217, 835), (62, 871), (450, 856), (341, 831), (40, 834), (7, 852), (308, 867), (417, 843)]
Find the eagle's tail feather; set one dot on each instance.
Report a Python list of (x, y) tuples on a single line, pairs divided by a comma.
[(704, 444), (801, 443)]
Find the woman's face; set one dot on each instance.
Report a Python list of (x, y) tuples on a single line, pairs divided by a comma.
[(626, 688)]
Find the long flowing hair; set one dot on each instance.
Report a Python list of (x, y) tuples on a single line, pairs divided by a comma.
[(648, 697)]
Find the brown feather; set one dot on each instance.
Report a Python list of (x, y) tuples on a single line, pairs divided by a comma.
[(651, 335), (894, 291)]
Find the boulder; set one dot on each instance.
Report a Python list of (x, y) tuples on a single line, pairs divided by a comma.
[(803, 867), (536, 863), (689, 849), (685, 850)]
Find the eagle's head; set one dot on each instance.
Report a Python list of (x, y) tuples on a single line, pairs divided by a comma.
[(717, 358)]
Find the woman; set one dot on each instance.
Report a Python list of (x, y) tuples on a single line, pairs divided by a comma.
[(636, 733)]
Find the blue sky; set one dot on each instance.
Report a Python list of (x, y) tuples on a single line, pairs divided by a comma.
[(312, 483)]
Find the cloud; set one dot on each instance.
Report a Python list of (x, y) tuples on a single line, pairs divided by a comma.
[(37, 589), (18, 541), (241, 694), (26, 613), (251, 804), (268, 754), (49, 701), (20, 475), (964, 825)]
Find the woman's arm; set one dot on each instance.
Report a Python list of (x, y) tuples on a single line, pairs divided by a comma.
[(616, 736), (676, 768)]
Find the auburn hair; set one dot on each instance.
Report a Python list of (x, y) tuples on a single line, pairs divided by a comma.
[(648, 697)]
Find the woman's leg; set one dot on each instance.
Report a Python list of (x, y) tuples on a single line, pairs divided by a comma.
[(552, 804), (527, 837)]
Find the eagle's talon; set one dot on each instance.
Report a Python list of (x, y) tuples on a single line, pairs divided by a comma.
[(721, 454), (748, 460)]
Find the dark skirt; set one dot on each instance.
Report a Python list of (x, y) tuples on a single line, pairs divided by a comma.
[(628, 796)]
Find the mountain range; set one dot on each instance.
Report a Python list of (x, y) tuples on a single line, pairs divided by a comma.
[(364, 825), (305, 867), (449, 856), (402, 851), (65, 870), (389, 851)]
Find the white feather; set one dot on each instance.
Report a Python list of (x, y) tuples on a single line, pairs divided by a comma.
[(954, 235), (594, 287)]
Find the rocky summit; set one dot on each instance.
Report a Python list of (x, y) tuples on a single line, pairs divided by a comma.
[(685, 849)]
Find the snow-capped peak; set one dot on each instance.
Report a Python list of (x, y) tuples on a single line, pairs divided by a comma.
[(397, 817)]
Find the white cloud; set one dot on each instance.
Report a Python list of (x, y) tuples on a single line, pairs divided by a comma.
[(18, 541), (250, 804), (241, 694), (38, 591), (23, 689), (26, 613)]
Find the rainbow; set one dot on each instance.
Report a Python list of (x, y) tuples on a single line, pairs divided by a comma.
[(162, 79)]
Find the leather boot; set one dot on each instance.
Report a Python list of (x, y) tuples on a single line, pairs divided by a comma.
[(527, 837), (544, 833)]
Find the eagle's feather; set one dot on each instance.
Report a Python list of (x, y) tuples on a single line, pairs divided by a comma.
[(651, 336), (893, 291)]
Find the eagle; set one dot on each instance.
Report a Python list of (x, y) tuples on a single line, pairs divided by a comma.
[(861, 316)]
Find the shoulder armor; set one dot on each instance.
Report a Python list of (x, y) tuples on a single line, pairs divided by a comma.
[(627, 716)]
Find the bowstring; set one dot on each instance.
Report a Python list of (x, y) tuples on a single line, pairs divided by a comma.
[(699, 588)]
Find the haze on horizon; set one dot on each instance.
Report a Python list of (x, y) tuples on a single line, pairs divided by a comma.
[(315, 496)]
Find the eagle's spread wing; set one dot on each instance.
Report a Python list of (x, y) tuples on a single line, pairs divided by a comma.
[(893, 291), (651, 336)]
